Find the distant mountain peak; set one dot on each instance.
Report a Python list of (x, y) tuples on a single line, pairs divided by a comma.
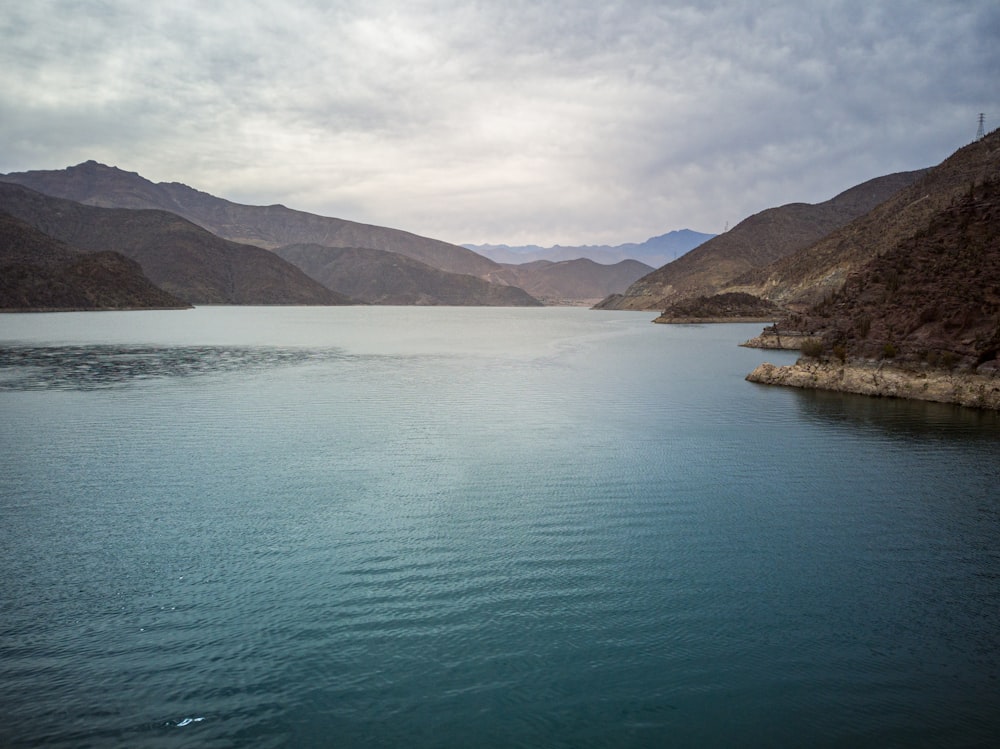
[(655, 251)]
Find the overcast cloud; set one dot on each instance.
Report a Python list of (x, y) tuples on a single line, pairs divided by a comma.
[(504, 121)]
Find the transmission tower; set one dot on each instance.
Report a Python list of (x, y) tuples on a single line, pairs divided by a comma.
[(981, 133)]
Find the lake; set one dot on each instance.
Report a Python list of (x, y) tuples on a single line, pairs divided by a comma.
[(479, 527)]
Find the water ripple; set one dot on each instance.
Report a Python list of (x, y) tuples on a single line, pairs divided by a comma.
[(95, 367)]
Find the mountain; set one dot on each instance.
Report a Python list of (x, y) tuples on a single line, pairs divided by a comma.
[(380, 277), (905, 301), (38, 272), (271, 226), (933, 297), (755, 242), (655, 251), (813, 273), (920, 319), (579, 280), (181, 258), (735, 307)]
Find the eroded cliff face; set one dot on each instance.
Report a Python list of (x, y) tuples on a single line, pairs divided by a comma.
[(977, 390)]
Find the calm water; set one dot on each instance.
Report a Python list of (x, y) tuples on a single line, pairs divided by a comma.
[(431, 527)]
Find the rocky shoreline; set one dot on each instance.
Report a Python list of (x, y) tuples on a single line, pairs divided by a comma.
[(975, 390), (781, 342), (670, 320)]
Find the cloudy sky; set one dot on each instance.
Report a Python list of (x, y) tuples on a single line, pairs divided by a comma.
[(503, 121)]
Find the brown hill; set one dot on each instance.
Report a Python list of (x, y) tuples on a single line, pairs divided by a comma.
[(811, 274), (571, 280), (380, 277), (38, 272), (271, 226), (720, 308), (755, 242), (176, 255), (934, 297)]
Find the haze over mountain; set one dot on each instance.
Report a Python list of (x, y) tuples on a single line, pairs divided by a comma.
[(175, 254), (380, 277), (38, 272), (754, 242), (655, 251)]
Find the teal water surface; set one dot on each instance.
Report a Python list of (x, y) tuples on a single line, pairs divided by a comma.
[(448, 527)]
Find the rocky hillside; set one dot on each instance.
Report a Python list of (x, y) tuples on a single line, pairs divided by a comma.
[(755, 242), (571, 280), (808, 276), (720, 308), (271, 226), (933, 298), (176, 255), (379, 277), (38, 272)]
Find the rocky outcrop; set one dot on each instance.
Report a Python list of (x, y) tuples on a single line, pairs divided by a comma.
[(720, 308), (974, 389), (769, 339), (932, 299), (921, 318)]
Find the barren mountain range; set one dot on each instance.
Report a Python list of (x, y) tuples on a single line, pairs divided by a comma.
[(813, 273), (276, 226), (182, 259), (753, 243), (270, 226)]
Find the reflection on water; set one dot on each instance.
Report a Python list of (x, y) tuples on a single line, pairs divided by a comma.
[(106, 366), (897, 417)]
